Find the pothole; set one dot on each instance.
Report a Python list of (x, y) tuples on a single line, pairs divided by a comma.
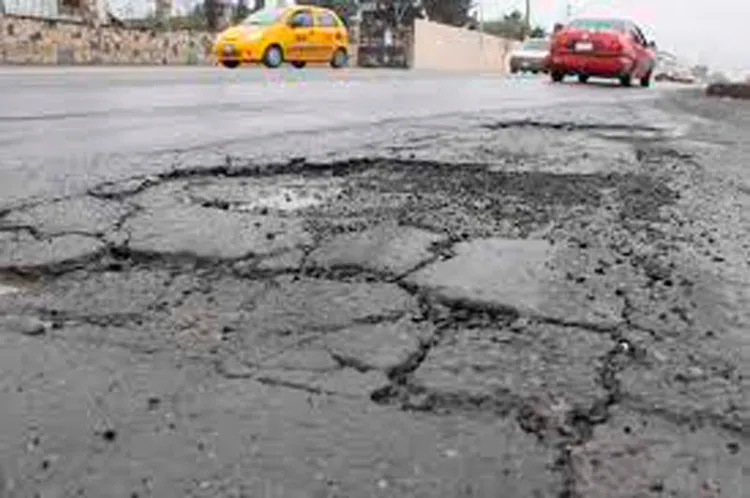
[(276, 193)]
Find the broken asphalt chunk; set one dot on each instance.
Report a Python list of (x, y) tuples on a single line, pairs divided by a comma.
[(514, 277), (21, 251), (25, 325), (387, 248), (83, 215), (211, 233)]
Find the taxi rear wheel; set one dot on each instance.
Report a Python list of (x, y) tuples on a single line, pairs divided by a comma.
[(339, 58), (273, 57), (230, 64), (298, 64)]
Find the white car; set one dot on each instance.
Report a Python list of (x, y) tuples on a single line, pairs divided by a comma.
[(530, 57)]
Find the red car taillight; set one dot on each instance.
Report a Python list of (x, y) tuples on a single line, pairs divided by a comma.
[(559, 40), (615, 46)]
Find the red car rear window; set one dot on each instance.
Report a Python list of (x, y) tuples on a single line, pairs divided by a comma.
[(599, 25)]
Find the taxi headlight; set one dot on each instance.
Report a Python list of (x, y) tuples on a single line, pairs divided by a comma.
[(254, 36)]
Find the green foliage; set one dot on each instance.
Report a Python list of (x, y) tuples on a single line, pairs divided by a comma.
[(513, 26), (537, 32), (453, 12), (240, 12)]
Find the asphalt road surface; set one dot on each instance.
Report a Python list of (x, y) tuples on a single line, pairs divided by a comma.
[(362, 284)]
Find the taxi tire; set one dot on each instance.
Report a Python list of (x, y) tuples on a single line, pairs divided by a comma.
[(298, 64), (273, 62), (339, 59), (230, 64)]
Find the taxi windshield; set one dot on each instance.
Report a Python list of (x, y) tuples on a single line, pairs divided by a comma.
[(263, 17)]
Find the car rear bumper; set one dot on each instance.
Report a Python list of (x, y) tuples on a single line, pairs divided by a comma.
[(610, 66), (527, 64)]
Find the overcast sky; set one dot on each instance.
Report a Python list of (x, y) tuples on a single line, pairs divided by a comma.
[(715, 32)]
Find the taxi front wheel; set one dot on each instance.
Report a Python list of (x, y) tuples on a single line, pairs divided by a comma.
[(339, 59), (273, 57)]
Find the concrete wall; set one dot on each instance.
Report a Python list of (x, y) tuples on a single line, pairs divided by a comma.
[(437, 46)]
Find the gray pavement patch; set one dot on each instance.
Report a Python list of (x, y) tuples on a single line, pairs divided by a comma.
[(164, 195), (294, 312), (106, 294), (631, 455), (686, 381), (547, 361), (347, 383), (164, 414), (123, 188), (309, 304), (514, 276), (387, 347), (263, 194), (7, 289), (22, 251), (212, 234), (384, 249), (286, 261), (556, 152), (26, 325), (83, 215), (147, 337)]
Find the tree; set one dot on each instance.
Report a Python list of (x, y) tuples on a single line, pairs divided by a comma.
[(452, 12), (513, 26), (212, 11), (537, 32), (241, 11)]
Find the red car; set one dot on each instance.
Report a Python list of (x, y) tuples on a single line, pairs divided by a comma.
[(604, 48)]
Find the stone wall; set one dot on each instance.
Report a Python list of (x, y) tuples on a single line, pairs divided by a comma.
[(25, 40), (36, 41)]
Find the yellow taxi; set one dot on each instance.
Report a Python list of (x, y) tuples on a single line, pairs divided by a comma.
[(296, 34)]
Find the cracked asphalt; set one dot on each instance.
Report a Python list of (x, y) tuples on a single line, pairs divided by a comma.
[(361, 284)]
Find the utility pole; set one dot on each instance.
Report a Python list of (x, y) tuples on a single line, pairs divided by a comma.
[(527, 21)]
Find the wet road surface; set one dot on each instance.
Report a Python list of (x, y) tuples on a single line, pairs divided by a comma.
[(78, 119), (524, 289)]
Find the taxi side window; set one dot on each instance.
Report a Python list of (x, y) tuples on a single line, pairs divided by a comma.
[(327, 20), (301, 19)]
